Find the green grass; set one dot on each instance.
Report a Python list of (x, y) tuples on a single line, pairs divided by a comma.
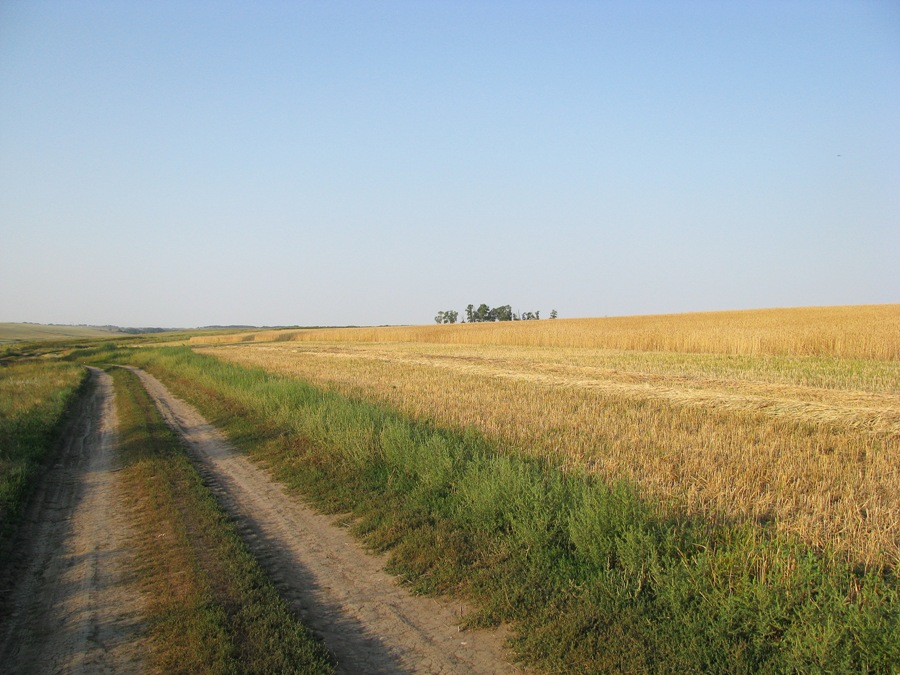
[(34, 397), (211, 608), (593, 578)]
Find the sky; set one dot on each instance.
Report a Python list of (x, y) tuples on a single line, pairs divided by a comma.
[(187, 163)]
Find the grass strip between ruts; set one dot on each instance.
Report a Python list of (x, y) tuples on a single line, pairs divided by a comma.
[(594, 578), (210, 606)]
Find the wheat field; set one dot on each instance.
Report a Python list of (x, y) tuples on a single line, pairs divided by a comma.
[(862, 331), (810, 443)]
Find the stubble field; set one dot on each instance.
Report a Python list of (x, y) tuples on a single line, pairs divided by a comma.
[(789, 417)]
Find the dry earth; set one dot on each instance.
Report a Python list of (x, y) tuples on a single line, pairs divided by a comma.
[(67, 604), (369, 622)]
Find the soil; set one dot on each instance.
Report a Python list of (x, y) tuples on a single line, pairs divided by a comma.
[(67, 602), (369, 622)]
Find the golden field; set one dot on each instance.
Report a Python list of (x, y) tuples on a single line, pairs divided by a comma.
[(808, 439), (864, 331)]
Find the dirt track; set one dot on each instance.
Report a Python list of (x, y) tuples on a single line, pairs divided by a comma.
[(371, 624), (67, 605)]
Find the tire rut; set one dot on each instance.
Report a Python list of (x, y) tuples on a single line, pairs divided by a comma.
[(68, 603), (369, 622)]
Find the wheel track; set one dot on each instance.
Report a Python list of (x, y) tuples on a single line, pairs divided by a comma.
[(369, 622), (69, 607)]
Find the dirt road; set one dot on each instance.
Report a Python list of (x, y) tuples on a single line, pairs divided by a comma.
[(66, 602), (367, 620)]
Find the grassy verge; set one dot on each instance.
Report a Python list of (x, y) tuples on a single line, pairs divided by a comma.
[(594, 578), (34, 397), (210, 606)]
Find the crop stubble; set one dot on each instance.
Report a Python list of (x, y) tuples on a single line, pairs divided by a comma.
[(810, 443)]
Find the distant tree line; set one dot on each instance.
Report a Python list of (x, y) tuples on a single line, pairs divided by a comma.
[(485, 314)]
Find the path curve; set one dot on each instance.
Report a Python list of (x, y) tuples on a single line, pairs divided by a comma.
[(68, 605), (369, 622)]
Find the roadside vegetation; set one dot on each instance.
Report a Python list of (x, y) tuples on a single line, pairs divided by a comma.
[(595, 572), (34, 398), (210, 607)]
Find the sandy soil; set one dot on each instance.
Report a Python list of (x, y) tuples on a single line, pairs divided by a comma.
[(67, 604), (366, 619)]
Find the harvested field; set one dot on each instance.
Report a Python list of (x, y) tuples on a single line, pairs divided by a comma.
[(852, 332), (811, 443), (590, 576)]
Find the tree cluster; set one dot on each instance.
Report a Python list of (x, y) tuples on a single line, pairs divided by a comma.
[(483, 313), (448, 316)]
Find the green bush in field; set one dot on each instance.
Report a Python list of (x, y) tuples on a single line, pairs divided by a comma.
[(595, 577)]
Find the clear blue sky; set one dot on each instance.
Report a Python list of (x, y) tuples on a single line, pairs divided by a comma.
[(192, 163)]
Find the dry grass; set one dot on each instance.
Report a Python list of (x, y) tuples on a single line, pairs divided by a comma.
[(32, 332), (810, 443), (28, 385), (863, 332)]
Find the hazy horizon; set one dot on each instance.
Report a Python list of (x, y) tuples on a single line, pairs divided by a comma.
[(461, 319), (365, 163)]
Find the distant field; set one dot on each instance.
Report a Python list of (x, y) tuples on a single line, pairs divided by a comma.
[(784, 416), (32, 332), (863, 331)]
